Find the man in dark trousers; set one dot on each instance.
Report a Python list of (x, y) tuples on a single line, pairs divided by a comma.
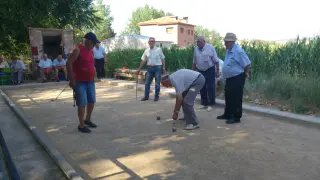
[(235, 69), (81, 72), (99, 60), (206, 62)]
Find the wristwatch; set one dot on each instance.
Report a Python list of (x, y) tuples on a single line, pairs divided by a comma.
[(175, 111)]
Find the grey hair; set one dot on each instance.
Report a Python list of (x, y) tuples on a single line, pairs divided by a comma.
[(201, 38), (165, 78)]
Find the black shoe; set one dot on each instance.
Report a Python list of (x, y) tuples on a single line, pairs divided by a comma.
[(90, 124), (156, 98), (224, 117), (144, 99), (233, 121), (58, 80), (84, 130)]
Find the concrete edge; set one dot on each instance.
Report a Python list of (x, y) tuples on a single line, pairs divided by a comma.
[(254, 109), (40, 136)]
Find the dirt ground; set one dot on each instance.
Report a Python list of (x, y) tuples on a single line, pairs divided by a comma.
[(131, 144)]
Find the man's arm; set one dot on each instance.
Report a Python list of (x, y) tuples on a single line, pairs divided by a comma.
[(71, 59), (143, 61), (177, 107), (194, 63)]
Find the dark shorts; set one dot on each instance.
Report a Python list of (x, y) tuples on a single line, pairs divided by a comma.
[(85, 93)]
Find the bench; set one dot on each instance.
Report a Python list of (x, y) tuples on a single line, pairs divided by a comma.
[(129, 73)]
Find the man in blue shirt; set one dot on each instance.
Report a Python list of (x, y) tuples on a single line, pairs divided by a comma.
[(99, 60), (235, 69), (59, 64), (45, 65), (17, 70)]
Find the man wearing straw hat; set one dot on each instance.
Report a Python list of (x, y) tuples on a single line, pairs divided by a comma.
[(235, 69)]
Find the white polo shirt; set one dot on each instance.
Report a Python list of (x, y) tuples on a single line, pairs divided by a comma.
[(98, 52), (45, 63), (153, 56)]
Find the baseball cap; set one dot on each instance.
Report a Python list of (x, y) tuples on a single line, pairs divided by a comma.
[(92, 37)]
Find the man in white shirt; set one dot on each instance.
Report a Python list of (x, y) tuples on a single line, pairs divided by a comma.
[(99, 60), (17, 70), (45, 65), (59, 64), (3, 63), (206, 62), (187, 84), (154, 58)]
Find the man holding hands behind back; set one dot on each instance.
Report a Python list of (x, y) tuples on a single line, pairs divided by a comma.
[(206, 62)]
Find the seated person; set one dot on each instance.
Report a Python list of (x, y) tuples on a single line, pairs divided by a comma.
[(59, 64), (17, 70), (45, 65), (3, 63)]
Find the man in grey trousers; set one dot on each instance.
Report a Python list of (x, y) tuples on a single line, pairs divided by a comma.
[(187, 84)]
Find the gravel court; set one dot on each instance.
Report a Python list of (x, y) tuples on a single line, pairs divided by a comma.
[(131, 144)]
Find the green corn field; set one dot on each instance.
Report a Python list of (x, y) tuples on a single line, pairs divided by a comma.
[(289, 72)]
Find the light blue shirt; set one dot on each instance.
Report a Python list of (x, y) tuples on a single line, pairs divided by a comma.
[(56, 62), (206, 57), (45, 64), (18, 65), (235, 62), (98, 53)]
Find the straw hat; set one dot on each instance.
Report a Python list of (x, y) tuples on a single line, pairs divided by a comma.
[(230, 37)]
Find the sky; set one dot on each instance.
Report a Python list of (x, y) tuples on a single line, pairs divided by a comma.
[(248, 19)]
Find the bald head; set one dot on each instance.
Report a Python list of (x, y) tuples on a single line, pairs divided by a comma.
[(201, 41), (165, 81)]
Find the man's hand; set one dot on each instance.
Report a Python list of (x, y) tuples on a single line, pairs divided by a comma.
[(72, 84), (138, 71), (247, 75), (175, 116), (163, 71), (218, 74)]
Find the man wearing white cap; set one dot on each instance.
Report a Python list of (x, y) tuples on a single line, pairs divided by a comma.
[(235, 69)]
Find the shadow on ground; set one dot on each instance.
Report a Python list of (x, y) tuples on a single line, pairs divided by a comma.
[(131, 144)]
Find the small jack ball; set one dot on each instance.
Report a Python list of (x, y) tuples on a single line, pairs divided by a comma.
[(158, 117)]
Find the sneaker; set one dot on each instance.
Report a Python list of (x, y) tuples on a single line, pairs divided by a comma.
[(209, 108), (58, 80), (84, 129), (202, 107), (191, 126), (90, 124), (144, 99)]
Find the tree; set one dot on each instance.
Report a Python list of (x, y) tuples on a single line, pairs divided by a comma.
[(143, 14), (17, 15), (103, 30), (211, 36)]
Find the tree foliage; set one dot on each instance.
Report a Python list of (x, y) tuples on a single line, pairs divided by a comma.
[(17, 15), (143, 14), (211, 36), (103, 30)]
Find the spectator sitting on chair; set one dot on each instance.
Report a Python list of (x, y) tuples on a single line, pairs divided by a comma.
[(45, 65), (59, 65), (17, 70), (3, 63)]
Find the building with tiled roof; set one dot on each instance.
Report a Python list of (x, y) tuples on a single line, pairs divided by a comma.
[(169, 28)]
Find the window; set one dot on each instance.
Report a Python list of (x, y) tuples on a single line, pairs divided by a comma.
[(188, 31), (181, 30), (191, 33), (169, 30)]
